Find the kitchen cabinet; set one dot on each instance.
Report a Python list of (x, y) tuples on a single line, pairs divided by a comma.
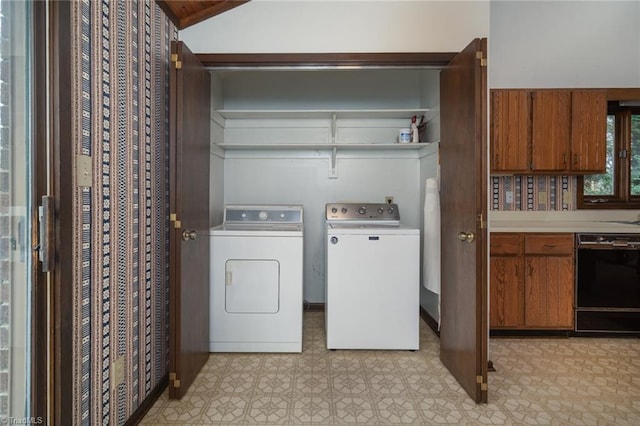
[(507, 285), (532, 281), (548, 131), (510, 130)]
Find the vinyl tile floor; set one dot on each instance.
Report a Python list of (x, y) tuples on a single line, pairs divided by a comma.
[(574, 381)]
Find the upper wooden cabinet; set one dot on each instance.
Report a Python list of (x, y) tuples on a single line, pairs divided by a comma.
[(510, 130), (548, 131), (588, 131)]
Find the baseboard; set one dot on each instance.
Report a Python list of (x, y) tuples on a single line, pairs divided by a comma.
[(148, 402), (313, 307), (431, 322)]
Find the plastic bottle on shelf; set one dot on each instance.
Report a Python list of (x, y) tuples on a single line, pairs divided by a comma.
[(414, 129)]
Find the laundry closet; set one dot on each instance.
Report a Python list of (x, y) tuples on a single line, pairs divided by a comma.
[(315, 135)]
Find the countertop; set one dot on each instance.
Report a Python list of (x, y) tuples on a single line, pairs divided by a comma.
[(614, 221)]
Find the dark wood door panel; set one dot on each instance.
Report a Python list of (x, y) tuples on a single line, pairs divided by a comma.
[(464, 317), (189, 170)]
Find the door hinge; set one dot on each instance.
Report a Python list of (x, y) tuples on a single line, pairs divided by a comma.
[(483, 223), (483, 60), (623, 153), (174, 380), (174, 59), (173, 217), (483, 385)]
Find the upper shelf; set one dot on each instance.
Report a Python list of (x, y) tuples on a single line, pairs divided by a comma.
[(324, 146), (323, 113)]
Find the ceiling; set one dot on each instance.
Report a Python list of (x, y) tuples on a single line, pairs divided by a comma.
[(184, 13)]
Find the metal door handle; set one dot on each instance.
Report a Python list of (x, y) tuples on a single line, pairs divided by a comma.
[(189, 235), (467, 236)]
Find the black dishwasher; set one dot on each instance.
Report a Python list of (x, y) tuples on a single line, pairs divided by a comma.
[(607, 283)]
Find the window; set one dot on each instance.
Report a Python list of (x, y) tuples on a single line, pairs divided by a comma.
[(619, 187)]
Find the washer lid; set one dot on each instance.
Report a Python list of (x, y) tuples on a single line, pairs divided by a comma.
[(356, 229), (257, 230)]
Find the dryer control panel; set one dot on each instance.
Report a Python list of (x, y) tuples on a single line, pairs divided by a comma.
[(249, 214), (362, 212)]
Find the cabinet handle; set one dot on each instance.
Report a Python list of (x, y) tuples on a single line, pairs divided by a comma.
[(495, 245), (497, 159), (530, 270), (575, 159), (550, 245), (564, 158), (517, 272)]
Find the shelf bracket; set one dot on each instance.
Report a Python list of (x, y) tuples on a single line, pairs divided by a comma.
[(333, 171), (334, 119)]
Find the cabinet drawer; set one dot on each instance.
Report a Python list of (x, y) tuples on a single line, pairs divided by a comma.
[(505, 244), (548, 244)]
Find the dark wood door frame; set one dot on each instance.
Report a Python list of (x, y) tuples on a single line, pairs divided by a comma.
[(390, 60), (249, 60), (61, 395)]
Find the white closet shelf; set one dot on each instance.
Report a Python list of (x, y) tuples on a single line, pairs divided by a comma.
[(322, 113), (324, 146)]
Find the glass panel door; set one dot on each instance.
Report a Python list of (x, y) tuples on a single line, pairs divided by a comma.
[(15, 208)]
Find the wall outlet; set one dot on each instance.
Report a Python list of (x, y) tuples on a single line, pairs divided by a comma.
[(542, 197), (117, 372), (388, 199), (508, 197)]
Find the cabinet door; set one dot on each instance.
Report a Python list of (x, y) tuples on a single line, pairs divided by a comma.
[(588, 131), (510, 130), (549, 292), (506, 308), (550, 130)]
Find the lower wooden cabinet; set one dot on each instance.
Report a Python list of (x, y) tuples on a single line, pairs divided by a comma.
[(532, 281)]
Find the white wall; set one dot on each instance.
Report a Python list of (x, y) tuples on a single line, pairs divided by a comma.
[(313, 26), (302, 178), (564, 44)]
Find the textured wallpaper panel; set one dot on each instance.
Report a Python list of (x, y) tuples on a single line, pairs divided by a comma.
[(533, 193), (120, 87)]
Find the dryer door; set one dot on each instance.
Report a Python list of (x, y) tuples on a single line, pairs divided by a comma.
[(252, 286)]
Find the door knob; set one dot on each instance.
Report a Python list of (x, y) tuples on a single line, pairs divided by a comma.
[(466, 236), (189, 235)]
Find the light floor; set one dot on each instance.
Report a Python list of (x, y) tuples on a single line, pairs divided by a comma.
[(576, 381)]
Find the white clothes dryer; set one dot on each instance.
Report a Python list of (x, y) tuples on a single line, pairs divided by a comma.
[(256, 279)]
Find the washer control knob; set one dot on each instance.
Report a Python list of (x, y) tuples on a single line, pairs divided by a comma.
[(263, 215), (334, 210), (243, 215), (390, 210), (334, 240), (344, 210), (362, 210), (282, 215), (380, 210)]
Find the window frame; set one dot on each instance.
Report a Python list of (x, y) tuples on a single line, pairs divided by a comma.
[(622, 198)]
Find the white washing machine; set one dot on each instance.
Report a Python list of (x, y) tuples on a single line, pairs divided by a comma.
[(372, 278), (256, 279)]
